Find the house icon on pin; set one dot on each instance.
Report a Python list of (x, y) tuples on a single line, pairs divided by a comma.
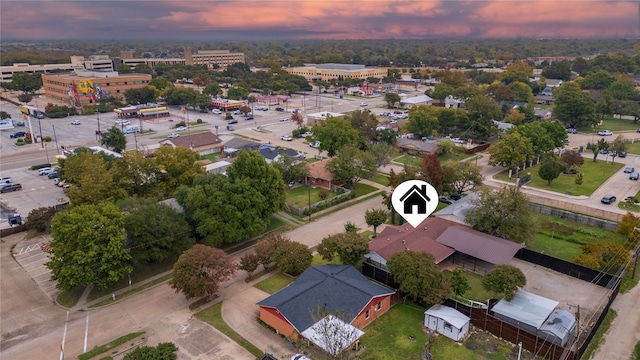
[(416, 196)]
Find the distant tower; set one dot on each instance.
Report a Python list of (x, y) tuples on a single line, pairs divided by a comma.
[(188, 56)]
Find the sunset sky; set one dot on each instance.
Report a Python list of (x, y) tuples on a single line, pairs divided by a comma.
[(311, 19)]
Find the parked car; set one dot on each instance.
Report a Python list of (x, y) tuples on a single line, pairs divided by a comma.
[(66, 187), (52, 175), (362, 103), (608, 199), (123, 122), (20, 123), (604, 151), (629, 170), (279, 108), (10, 187), (181, 128), (445, 200), (237, 112), (282, 119), (623, 154), (286, 138), (605, 133), (299, 357), (306, 134), (173, 135), (634, 176), (45, 171), (315, 144), (455, 197), (572, 131), (249, 117), (75, 122), (230, 128), (18, 134), (233, 121), (5, 180)]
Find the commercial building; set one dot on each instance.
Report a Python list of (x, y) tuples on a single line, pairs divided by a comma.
[(331, 71), (84, 87), (213, 58)]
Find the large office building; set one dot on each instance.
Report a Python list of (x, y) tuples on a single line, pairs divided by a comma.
[(332, 71), (84, 87), (213, 58)]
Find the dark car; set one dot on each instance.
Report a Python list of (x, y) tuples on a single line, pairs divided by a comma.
[(608, 199), (18, 134), (629, 170), (233, 121), (279, 109), (445, 200), (455, 197), (623, 154), (10, 187), (249, 117), (634, 176), (53, 175), (572, 131)]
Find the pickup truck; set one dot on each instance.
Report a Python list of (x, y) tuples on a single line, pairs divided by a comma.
[(5, 180)]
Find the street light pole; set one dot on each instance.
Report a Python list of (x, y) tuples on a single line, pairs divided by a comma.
[(98, 116), (309, 188), (56, 138), (40, 126)]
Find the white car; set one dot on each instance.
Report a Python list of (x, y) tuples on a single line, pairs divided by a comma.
[(172, 135), (605, 133), (307, 134), (282, 119), (286, 138), (216, 111), (123, 122), (75, 122), (363, 103), (45, 171), (181, 128), (315, 144)]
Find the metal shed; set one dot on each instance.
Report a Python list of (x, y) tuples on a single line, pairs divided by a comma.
[(447, 321)]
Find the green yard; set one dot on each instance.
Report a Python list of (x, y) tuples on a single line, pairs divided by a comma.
[(380, 178), (409, 160), (299, 196), (477, 291), (363, 189), (633, 148), (595, 174), (562, 238), (613, 124)]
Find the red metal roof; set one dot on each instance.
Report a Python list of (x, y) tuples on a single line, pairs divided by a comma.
[(480, 245)]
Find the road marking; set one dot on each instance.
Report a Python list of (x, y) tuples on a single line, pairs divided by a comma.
[(27, 249)]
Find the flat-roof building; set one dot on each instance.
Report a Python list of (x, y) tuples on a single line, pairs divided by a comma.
[(213, 58), (84, 87), (331, 71)]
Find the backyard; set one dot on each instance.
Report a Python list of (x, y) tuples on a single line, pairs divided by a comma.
[(595, 174), (299, 196)]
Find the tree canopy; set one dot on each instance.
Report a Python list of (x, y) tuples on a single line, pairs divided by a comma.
[(419, 276), (352, 165), (349, 246), (115, 139), (292, 257), (88, 247), (200, 270), (504, 279), (375, 218), (334, 133)]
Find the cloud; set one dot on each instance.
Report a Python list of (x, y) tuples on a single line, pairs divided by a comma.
[(312, 19)]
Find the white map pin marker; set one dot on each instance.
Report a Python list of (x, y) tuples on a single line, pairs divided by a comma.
[(414, 200)]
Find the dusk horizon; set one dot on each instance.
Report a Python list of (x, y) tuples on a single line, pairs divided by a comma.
[(245, 20)]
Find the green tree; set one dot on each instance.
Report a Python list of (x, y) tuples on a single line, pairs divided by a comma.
[(419, 276), (200, 270), (212, 89), (174, 167), (26, 82), (136, 173), (143, 69), (352, 165), (365, 122), (572, 158), (349, 246), (375, 218), (504, 213), (263, 177), (460, 176), (115, 139), (521, 91), (459, 282), (334, 133), (40, 219), (511, 150), (88, 247), (225, 211), (140, 95), (292, 257), (124, 69), (382, 153), (596, 147), (423, 120), (237, 93), (160, 83), (155, 231), (504, 279), (163, 351), (573, 107), (4, 115), (91, 179), (482, 112), (550, 168), (392, 99), (291, 169)]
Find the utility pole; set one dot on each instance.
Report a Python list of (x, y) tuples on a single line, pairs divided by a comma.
[(56, 138)]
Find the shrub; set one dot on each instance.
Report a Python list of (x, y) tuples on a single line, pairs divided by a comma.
[(228, 116), (40, 219), (47, 138), (199, 121), (40, 166), (20, 141), (323, 194)]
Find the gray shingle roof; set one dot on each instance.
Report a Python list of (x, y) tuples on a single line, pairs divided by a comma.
[(338, 289)]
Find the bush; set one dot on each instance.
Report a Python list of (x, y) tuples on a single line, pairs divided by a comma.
[(228, 116), (47, 138), (181, 123), (199, 121), (40, 166), (20, 141), (323, 194), (40, 219)]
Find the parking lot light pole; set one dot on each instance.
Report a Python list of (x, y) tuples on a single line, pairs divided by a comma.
[(98, 117), (56, 138)]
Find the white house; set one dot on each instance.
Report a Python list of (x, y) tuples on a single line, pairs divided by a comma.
[(417, 100), (447, 321)]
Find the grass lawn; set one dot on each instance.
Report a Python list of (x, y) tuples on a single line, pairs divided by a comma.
[(363, 189), (274, 283), (381, 179), (213, 317), (106, 347), (138, 274), (613, 124), (599, 336), (633, 148), (595, 174), (409, 160), (455, 155), (299, 196), (636, 352), (477, 292), (562, 238), (69, 299), (629, 283), (211, 157), (275, 223)]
